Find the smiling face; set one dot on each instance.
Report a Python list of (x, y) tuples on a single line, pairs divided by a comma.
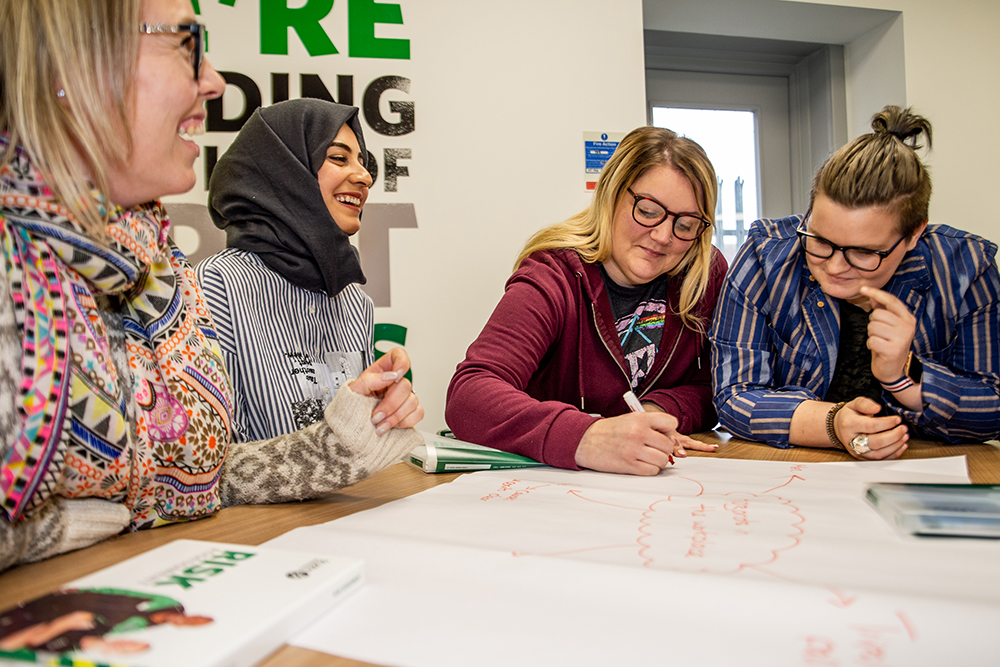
[(344, 181), (167, 112), (640, 254), (871, 228)]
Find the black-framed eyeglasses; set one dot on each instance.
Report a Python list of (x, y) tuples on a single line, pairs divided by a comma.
[(650, 213), (196, 44), (862, 259)]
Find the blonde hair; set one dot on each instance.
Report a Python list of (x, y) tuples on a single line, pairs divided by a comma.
[(589, 232), (89, 49), (882, 169)]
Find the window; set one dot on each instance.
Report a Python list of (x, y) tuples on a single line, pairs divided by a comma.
[(729, 139)]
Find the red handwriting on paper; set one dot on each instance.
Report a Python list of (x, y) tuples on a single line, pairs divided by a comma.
[(578, 494), (792, 478), (739, 511), (700, 533), (911, 629), (865, 644), (691, 530), (871, 648), (513, 489), (842, 599), (717, 532), (819, 651)]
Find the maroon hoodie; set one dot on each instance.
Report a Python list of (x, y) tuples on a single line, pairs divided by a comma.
[(548, 363)]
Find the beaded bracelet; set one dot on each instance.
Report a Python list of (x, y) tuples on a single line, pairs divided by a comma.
[(830, 430)]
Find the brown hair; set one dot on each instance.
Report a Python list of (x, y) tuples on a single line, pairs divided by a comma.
[(882, 169), (89, 50), (590, 231)]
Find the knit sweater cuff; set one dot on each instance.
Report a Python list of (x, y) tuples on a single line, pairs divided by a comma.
[(349, 417), (59, 526)]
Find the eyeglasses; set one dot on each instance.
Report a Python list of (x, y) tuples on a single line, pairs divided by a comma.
[(650, 213), (862, 259), (196, 44)]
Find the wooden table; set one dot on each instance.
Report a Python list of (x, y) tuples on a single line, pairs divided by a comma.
[(256, 524)]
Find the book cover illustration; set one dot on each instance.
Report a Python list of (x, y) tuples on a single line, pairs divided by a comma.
[(446, 454), (186, 603)]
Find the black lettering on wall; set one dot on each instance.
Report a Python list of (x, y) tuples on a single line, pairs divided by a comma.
[(392, 170), (251, 101), (279, 87), (405, 110)]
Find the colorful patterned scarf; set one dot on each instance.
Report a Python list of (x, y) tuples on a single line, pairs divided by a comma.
[(158, 448)]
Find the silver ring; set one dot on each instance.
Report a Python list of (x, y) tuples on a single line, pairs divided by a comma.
[(860, 444)]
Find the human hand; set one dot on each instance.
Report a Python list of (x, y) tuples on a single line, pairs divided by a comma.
[(38, 634), (75, 620), (887, 436), (685, 442), (682, 441), (891, 327), (638, 443), (399, 407), (112, 647)]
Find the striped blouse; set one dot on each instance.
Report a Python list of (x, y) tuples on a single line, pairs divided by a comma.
[(287, 349), (775, 335)]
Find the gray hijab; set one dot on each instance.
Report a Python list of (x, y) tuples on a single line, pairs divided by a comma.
[(264, 193)]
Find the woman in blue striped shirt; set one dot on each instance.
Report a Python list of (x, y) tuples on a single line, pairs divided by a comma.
[(291, 319), (859, 325)]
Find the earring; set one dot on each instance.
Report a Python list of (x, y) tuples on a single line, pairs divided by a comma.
[(61, 93)]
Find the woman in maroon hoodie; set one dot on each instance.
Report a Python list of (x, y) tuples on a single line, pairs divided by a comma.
[(616, 299)]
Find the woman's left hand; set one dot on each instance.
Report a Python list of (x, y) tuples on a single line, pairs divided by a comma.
[(891, 327), (681, 442), (399, 407)]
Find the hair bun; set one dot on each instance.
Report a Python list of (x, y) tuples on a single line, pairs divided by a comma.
[(902, 124)]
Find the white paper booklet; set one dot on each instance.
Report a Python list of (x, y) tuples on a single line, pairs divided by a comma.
[(186, 603)]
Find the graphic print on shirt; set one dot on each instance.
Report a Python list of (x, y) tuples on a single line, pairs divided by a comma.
[(310, 409), (318, 382), (640, 334)]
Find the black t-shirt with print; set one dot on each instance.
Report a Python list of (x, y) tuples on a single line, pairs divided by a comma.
[(639, 314)]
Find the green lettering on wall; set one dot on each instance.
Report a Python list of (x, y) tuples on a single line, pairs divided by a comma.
[(362, 15), (276, 17)]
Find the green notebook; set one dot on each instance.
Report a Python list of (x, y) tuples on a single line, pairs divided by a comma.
[(444, 454)]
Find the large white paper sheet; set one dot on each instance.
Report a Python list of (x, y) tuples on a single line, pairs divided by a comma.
[(714, 562)]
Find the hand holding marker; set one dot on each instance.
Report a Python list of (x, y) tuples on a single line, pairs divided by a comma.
[(635, 406)]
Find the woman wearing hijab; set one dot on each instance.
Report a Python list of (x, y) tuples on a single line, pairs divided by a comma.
[(291, 319)]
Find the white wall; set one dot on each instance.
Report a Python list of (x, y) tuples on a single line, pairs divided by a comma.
[(502, 92), (952, 63)]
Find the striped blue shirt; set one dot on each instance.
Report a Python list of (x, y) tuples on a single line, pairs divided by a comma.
[(775, 335), (287, 349)]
